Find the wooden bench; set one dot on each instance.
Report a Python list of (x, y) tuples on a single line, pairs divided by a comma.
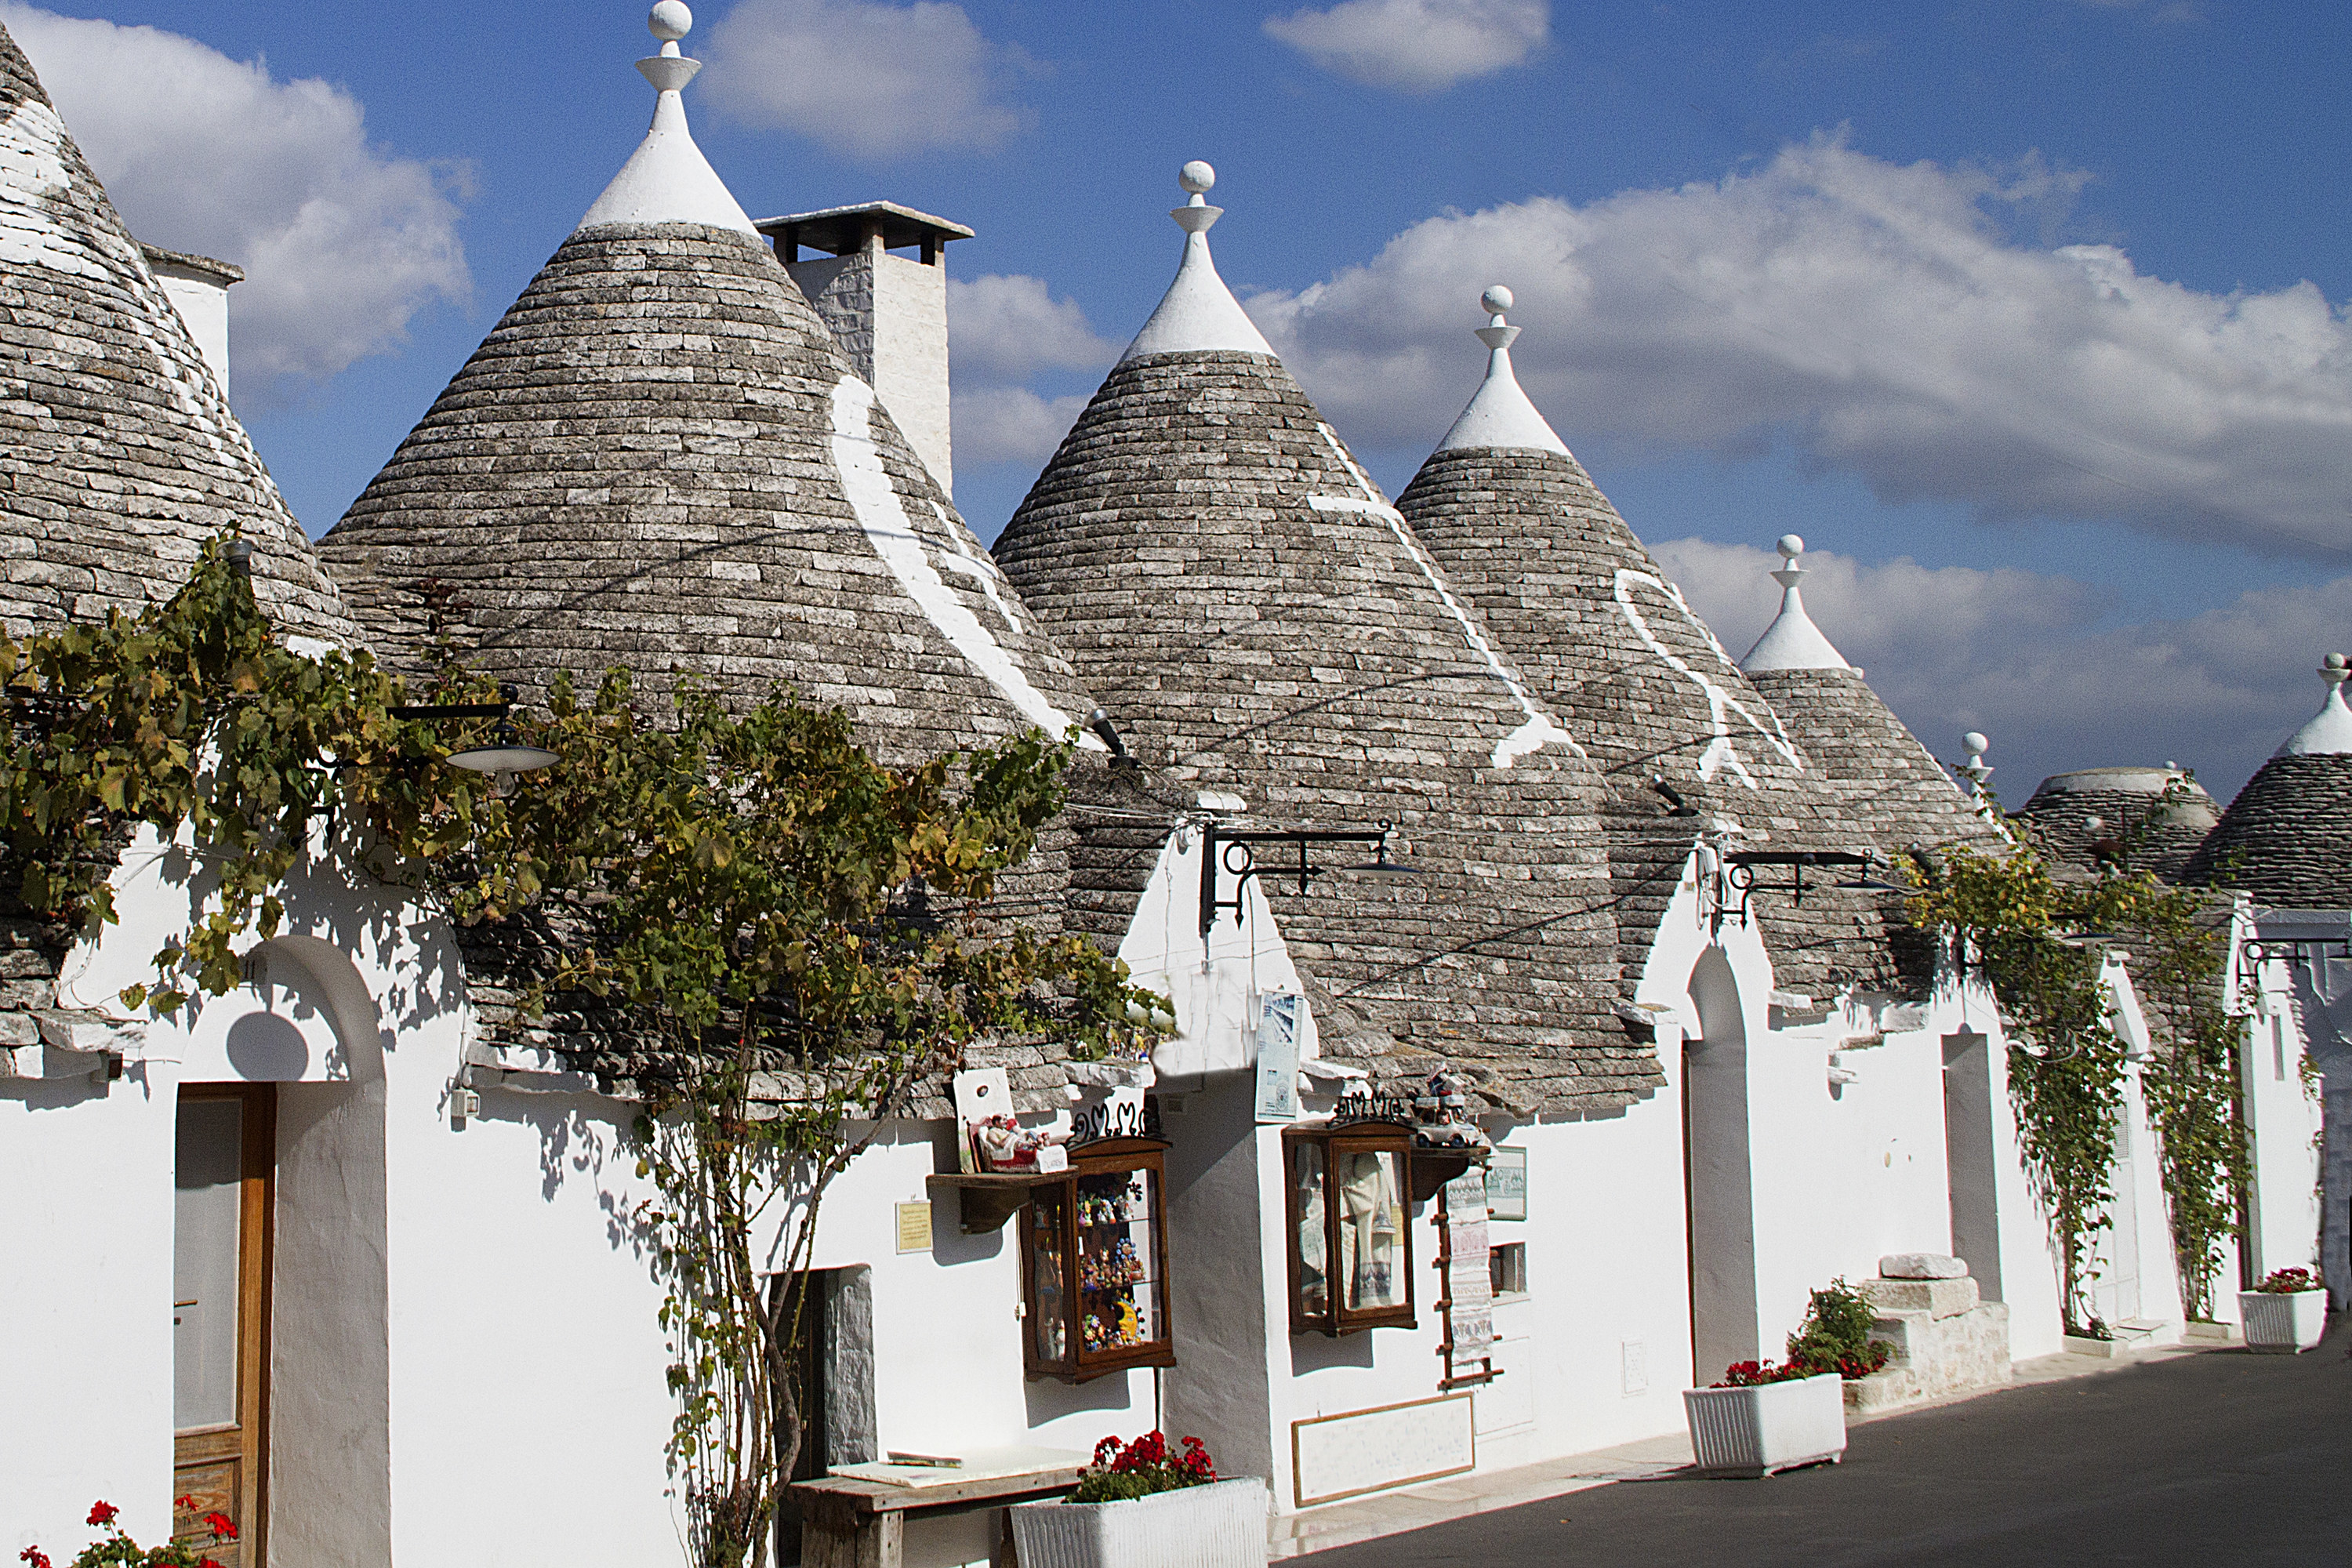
[(850, 1522)]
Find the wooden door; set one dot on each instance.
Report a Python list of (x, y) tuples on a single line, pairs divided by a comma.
[(226, 1152)]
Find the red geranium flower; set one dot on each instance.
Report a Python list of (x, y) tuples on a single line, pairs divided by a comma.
[(36, 1556), (102, 1513), (222, 1527)]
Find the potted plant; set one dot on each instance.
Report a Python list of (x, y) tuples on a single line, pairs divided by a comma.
[(1137, 1505), (1763, 1418), (116, 1547), (2285, 1313)]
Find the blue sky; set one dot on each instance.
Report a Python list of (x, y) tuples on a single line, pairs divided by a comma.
[(2028, 316)]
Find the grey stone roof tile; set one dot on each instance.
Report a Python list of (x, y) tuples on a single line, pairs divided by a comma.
[(118, 455), (1246, 639), (1589, 615), (2287, 836)]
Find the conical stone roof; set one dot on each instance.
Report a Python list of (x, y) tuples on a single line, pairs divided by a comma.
[(2287, 836), (1604, 636), (1887, 784), (2134, 818), (119, 456), (660, 458), (2287, 839), (1259, 620)]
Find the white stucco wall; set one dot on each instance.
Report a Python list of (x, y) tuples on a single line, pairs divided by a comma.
[(84, 1307), (2283, 1120), (512, 1350), (1212, 985)]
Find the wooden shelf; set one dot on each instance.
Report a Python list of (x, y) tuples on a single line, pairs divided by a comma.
[(1432, 1168), (984, 1202)]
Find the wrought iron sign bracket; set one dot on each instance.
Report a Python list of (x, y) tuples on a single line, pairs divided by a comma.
[(1231, 854), (1739, 871)]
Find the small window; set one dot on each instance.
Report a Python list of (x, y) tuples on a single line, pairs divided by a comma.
[(1507, 1265), (1351, 1227)]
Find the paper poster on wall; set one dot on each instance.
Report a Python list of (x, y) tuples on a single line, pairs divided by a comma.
[(913, 1227), (1280, 1014), (1507, 1185)]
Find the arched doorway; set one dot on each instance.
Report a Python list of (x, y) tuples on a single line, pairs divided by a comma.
[(1717, 1180), (281, 1179)]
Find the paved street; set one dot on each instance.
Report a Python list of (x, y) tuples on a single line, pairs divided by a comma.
[(2221, 1457)]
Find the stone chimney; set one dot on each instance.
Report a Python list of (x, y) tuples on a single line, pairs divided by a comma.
[(888, 312), (198, 286)]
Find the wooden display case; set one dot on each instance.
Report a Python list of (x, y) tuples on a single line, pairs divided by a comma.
[(1094, 1264), (1350, 1227)]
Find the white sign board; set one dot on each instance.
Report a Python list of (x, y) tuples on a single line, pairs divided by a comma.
[(1278, 1027), (1506, 1184), (1116, 1114), (980, 1093), (1336, 1456)]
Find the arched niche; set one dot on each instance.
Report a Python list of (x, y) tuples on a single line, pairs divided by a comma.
[(1718, 1175), (303, 1016)]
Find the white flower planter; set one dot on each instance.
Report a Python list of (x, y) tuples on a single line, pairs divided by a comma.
[(2281, 1323), (1773, 1426), (1220, 1525)]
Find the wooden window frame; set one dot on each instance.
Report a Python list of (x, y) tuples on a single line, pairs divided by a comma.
[(1109, 1156), (1347, 1138)]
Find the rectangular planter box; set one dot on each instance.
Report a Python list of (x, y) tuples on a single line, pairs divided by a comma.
[(1220, 1525), (1774, 1426), (2283, 1324)]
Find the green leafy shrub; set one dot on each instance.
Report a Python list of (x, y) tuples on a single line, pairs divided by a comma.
[(1835, 1334)]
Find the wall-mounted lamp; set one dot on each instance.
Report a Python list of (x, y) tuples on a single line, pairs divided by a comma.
[(505, 756), (1675, 805), (238, 554), (1099, 723), (1236, 854)]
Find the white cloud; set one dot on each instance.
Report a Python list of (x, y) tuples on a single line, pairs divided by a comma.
[(2024, 658), (1005, 328), (1010, 424), (341, 243), (865, 78), (1880, 319), (1417, 46)]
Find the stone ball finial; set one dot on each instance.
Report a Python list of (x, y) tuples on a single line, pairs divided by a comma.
[(1975, 742), (2334, 668), (1197, 177), (1790, 546), (1498, 298), (670, 20)]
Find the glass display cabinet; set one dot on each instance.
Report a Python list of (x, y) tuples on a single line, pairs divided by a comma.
[(1350, 1226), (1094, 1249)]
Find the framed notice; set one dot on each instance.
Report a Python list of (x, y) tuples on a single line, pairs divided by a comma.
[(1506, 1184), (1336, 1456), (913, 1227)]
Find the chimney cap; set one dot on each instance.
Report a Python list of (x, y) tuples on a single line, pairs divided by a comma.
[(216, 272), (840, 230)]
